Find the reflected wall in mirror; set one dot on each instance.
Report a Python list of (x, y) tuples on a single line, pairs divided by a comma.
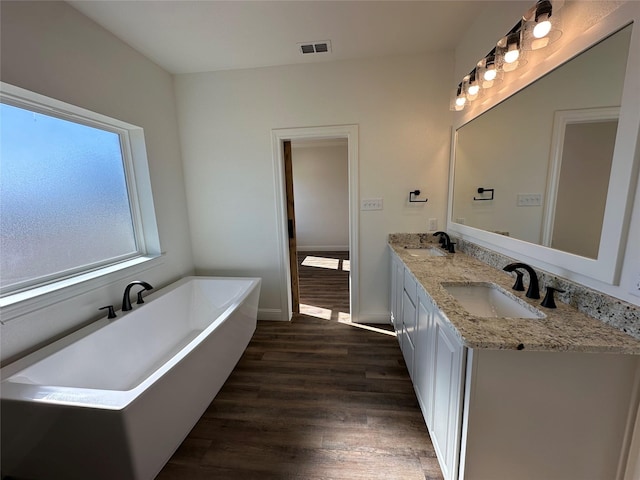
[(511, 149), (582, 147)]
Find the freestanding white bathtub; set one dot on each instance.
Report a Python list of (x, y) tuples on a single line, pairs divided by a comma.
[(115, 401)]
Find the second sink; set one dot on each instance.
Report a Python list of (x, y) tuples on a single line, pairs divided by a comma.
[(484, 299), (425, 252)]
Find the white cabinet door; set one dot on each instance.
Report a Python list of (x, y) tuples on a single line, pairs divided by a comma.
[(446, 395), (423, 365), (393, 294), (408, 319), (399, 288)]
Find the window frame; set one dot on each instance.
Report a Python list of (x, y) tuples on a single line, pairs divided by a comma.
[(32, 295)]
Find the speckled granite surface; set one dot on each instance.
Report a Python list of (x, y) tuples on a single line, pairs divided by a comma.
[(613, 311), (563, 329)]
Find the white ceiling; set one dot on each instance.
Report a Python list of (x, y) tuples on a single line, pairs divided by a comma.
[(185, 36)]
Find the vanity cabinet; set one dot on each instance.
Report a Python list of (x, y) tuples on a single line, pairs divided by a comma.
[(505, 414), (435, 360), (439, 381), (409, 299), (403, 309), (446, 394), (397, 287), (407, 345)]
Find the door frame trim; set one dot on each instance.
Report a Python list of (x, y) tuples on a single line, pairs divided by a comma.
[(278, 136)]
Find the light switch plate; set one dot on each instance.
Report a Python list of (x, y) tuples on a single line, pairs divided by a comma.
[(529, 199), (371, 204), (433, 224)]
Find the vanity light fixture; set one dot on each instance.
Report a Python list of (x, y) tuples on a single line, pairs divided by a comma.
[(460, 100), (473, 87), (542, 18), (534, 30), (490, 72), (539, 28), (512, 49), (509, 52)]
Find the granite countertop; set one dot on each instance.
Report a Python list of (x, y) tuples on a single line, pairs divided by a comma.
[(563, 329)]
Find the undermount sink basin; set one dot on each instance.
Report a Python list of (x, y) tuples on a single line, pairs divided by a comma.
[(489, 300), (425, 252)]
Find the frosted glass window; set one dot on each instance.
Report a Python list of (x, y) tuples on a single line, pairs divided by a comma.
[(64, 202)]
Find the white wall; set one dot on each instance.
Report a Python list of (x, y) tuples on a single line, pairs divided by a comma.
[(226, 119), (321, 195), (578, 16), (51, 49)]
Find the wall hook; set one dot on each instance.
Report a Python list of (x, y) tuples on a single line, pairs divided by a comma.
[(484, 190), (416, 193)]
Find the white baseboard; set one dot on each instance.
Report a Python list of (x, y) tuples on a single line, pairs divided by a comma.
[(271, 314), (275, 314), (375, 318)]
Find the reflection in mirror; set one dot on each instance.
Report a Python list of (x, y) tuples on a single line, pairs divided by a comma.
[(511, 149), (581, 155)]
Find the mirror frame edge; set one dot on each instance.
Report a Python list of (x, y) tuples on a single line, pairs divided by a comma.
[(607, 267)]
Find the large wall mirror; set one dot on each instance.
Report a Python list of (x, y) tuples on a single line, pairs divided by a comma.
[(542, 172)]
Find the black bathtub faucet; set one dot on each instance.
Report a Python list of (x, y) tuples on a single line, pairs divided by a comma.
[(126, 301)]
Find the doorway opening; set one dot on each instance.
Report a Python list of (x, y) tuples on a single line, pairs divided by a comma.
[(319, 178), (328, 256)]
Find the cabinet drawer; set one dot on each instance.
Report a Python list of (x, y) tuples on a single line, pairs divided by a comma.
[(410, 286)]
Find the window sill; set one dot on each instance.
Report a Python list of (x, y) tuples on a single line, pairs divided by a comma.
[(22, 303)]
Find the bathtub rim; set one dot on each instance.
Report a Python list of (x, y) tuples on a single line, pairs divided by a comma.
[(102, 398)]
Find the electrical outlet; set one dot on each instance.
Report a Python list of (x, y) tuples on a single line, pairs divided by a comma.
[(635, 286), (433, 224), (371, 204), (529, 199)]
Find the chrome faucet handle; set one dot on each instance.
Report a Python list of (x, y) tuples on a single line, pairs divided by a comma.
[(549, 301)]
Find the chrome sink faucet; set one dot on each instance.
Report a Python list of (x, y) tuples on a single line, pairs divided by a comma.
[(534, 289), (126, 301)]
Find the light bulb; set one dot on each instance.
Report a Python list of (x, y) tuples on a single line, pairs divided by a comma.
[(542, 28), (490, 74), (474, 89), (512, 55), (543, 12), (460, 98)]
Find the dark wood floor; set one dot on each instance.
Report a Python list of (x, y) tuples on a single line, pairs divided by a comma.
[(324, 284), (313, 399)]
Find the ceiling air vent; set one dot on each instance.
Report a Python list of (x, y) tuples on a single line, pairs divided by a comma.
[(315, 47)]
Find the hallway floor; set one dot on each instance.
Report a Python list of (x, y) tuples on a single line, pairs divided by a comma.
[(324, 284)]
